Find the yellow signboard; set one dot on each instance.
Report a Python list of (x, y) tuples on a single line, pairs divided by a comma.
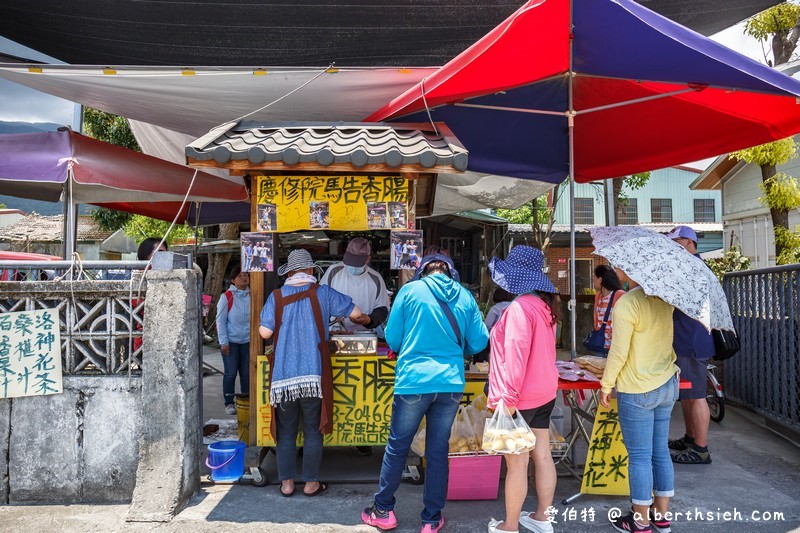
[(290, 203), (30, 353), (363, 389), (606, 470)]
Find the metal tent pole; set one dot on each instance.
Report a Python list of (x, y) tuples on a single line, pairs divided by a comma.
[(573, 307)]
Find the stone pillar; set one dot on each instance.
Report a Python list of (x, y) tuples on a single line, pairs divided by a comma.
[(168, 473)]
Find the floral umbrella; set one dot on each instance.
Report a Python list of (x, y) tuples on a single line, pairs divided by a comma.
[(665, 269)]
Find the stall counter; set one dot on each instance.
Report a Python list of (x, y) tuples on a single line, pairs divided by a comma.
[(362, 399)]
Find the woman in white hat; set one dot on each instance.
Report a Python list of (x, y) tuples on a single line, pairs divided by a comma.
[(523, 374)]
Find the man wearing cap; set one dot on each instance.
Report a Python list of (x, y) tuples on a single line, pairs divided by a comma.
[(694, 346), (365, 286), (301, 377)]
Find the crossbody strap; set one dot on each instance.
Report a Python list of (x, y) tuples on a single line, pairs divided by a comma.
[(608, 309), (449, 314)]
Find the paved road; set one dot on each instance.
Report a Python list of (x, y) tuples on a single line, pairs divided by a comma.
[(754, 473)]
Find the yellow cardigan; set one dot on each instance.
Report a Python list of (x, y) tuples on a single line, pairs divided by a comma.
[(641, 357)]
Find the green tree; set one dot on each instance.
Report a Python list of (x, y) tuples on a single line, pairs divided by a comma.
[(780, 27), (140, 227), (781, 193), (540, 213), (115, 130), (777, 25), (621, 187)]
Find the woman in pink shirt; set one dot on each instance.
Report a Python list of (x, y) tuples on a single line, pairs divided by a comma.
[(522, 373)]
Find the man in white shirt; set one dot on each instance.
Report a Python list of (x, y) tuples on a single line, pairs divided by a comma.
[(365, 286), (354, 278)]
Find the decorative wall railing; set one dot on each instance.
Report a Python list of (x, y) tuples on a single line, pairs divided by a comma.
[(765, 375), (100, 308)]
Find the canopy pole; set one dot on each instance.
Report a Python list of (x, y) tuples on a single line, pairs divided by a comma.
[(573, 306), (70, 219)]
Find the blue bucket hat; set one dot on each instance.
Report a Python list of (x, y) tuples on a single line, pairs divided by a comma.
[(521, 272), (437, 257)]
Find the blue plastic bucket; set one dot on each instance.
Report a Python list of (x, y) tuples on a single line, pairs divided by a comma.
[(226, 460)]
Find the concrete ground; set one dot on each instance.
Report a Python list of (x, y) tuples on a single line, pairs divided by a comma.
[(755, 477)]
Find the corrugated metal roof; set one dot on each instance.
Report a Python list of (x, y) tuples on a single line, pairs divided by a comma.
[(355, 144), (38, 228)]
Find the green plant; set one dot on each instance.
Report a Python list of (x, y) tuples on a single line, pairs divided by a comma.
[(731, 261), (140, 227)]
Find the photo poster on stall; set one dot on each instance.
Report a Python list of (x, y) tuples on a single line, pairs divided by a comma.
[(406, 249), (341, 203), (30, 353), (267, 217), (398, 215), (377, 215), (257, 252), (319, 215), (606, 470)]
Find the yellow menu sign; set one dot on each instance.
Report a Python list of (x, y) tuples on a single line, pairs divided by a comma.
[(606, 470), (290, 203), (363, 390)]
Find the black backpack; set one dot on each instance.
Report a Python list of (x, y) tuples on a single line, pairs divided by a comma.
[(726, 344)]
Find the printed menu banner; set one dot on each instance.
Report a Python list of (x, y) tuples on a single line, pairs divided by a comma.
[(291, 203), (30, 353)]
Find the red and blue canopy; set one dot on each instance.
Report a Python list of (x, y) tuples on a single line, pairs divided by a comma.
[(647, 93)]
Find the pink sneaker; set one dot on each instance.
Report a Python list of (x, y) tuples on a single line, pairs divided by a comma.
[(383, 520), (429, 528)]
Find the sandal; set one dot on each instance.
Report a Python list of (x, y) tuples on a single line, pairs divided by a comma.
[(692, 457), (322, 488), (287, 494)]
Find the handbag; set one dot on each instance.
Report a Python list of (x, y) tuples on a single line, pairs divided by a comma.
[(596, 340), (726, 344)]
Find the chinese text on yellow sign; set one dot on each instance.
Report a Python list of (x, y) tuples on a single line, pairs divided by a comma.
[(30, 354), (606, 470), (290, 203)]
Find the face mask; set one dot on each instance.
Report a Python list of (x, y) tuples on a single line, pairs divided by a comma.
[(356, 271)]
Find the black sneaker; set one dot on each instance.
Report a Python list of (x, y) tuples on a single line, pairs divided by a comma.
[(692, 457), (679, 444), (659, 526), (626, 524)]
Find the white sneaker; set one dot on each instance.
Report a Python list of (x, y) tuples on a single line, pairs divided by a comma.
[(230, 409), (527, 521), (493, 527)]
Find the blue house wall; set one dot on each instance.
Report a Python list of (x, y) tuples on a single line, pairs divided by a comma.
[(672, 183)]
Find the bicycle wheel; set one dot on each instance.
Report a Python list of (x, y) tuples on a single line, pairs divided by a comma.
[(716, 404)]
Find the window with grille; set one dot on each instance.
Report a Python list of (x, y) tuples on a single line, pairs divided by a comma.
[(584, 211), (629, 213), (661, 210), (704, 210)]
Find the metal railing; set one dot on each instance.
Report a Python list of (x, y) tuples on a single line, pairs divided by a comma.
[(100, 306), (765, 375)]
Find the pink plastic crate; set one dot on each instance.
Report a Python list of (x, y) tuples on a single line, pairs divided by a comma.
[(474, 477)]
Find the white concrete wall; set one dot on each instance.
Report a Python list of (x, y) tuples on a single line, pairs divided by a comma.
[(746, 220)]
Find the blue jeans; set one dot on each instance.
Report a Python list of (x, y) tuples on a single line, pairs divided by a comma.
[(439, 410), (644, 421), (237, 362), (287, 420)]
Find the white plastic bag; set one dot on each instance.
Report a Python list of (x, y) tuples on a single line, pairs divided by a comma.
[(462, 434), (507, 433)]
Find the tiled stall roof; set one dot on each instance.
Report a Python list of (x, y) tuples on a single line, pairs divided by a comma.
[(256, 145)]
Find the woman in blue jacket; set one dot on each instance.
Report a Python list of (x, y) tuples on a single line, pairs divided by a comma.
[(233, 330), (434, 322)]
